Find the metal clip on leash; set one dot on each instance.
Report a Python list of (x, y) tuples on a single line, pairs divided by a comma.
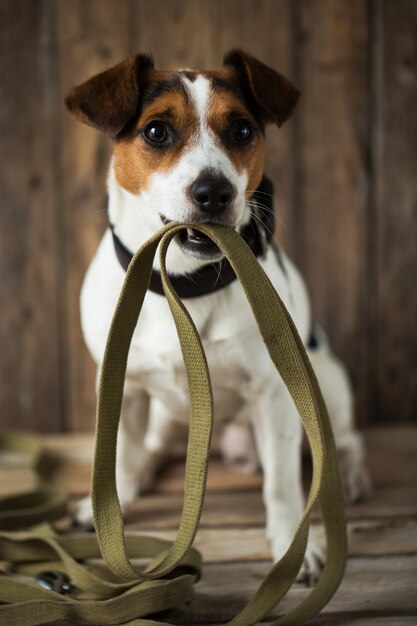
[(126, 595)]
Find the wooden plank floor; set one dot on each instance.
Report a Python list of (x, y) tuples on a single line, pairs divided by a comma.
[(380, 585)]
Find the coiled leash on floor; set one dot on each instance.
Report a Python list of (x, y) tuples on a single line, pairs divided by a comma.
[(125, 595)]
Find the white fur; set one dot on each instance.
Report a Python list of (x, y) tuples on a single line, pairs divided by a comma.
[(246, 387)]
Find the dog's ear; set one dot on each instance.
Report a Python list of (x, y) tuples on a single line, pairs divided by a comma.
[(108, 101), (273, 93)]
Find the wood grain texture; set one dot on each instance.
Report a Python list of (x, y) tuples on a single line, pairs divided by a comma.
[(347, 619), (244, 545), (395, 154), (29, 373), (160, 511), (343, 167), (177, 33), (331, 198), (379, 585), (92, 36), (374, 585)]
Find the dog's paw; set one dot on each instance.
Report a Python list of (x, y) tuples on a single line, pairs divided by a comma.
[(357, 485), (83, 515), (356, 482), (313, 560), (312, 565)]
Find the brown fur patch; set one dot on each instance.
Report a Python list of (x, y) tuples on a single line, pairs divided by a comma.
[(109, 100), (274, 94), (225, 107), (135, 159), (190, 74)]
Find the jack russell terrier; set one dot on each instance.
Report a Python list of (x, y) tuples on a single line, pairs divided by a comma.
[(189, 146)]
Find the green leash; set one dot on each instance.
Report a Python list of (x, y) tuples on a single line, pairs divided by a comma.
[(123, 594)]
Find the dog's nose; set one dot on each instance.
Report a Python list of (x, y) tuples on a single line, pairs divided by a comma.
[(211, 195)]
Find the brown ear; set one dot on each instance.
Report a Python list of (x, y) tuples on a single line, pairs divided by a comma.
[(273, 93), (108, 101)]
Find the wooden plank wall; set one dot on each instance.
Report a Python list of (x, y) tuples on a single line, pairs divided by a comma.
[(344, 169)]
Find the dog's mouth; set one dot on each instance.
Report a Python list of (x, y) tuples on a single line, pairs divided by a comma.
[(196, 243)]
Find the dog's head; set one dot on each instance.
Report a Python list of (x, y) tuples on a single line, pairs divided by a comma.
[(188, 145)]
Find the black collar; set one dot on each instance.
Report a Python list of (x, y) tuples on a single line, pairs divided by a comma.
[(214, 276)]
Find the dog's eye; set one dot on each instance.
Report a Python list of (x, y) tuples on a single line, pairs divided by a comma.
[(157, 133), (242, 132)]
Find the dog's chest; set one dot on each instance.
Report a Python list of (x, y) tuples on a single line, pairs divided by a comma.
[(238, 362), (156, 362)]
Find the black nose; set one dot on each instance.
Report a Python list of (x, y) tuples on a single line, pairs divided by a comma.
[(211, 195)]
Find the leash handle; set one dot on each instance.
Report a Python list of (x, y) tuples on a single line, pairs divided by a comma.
[(290, 359)]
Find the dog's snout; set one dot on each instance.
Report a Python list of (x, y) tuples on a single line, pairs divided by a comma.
[(211, 194)]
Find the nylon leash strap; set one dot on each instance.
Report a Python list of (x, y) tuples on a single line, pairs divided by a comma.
[(125, 594)]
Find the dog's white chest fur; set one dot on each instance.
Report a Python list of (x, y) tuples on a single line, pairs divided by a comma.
[(238, 362)]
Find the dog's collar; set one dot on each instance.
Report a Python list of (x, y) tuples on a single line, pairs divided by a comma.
[(257, 233)]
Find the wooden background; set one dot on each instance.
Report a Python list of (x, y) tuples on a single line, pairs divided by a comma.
[(344, 169)]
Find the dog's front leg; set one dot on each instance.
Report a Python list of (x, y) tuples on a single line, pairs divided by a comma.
[(130, 454), (278, 434), (131, 457)]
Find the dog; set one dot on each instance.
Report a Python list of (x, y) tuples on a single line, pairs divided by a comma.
[(189, 146)]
